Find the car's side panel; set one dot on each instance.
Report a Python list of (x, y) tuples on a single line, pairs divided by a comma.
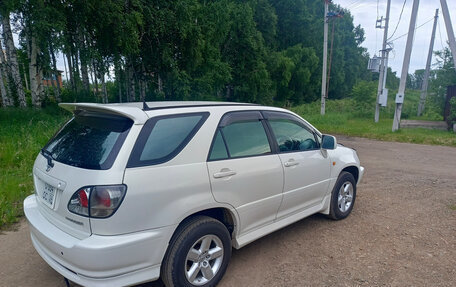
[(248, 237), (167, 191), (306, 183), (343, 157), (255, 190)]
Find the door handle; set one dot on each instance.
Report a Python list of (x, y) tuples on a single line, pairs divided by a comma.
[(291, 162), (225, 172)]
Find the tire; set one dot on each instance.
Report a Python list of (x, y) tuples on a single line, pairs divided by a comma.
[(343, 196), (201, 247)]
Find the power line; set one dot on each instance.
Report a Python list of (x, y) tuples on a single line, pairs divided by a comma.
[(362, 4), (415, 30), (353, 3), (399, 21)]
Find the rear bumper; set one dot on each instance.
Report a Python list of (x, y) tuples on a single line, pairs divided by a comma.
[(119, 260)]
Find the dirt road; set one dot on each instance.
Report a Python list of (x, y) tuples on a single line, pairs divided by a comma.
[(402, 232)]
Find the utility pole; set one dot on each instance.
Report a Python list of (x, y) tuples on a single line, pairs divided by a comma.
[(383, 67), (405, 66), (325, 60), (424, 87), (449, 28)]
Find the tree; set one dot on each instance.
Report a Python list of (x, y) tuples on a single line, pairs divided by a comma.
[(12, 58), (7, 101), (258, 51), (444, 77)]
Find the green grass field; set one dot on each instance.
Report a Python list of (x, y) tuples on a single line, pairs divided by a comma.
[(24, 132)]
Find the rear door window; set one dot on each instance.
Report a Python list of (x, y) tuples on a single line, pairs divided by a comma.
[(89, 140), (162, 138)]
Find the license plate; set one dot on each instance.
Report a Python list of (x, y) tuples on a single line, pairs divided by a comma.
[(48, 195)]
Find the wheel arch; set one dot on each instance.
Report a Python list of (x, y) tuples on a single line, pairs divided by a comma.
[(353, 170), (223, 214)]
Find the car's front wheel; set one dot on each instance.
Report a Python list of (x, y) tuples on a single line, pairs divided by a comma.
[(343, 196), (198, 254)]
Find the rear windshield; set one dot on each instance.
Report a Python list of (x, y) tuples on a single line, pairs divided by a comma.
[(89, 141)]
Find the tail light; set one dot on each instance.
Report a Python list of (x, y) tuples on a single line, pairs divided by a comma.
[(97, 201)]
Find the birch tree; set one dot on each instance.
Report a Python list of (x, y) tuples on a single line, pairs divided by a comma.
[(12, 59), (34, 71), (6, 100), (4, 89)]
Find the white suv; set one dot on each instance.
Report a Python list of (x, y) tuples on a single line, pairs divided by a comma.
[(126, 193)]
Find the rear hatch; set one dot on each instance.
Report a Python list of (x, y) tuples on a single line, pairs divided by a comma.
[(83, 153)]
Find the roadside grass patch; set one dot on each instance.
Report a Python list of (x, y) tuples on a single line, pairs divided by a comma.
[(23, 132)]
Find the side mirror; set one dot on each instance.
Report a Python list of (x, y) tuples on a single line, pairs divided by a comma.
[(328, 142)]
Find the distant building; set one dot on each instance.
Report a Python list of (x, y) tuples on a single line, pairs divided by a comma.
[(52, 80)]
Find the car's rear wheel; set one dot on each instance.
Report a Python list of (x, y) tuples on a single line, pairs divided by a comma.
[(198, 253), (343, 196)]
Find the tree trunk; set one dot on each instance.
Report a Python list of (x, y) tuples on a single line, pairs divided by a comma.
[(4, 88), (143, 90), (39, 79), (76, 74), (25, 77), (33, 68), (119, 83), (54, 88), (142, 84), (131, 74), (84, 74), (103, 85), (55, 72), (92, 76), (6, 100), (118, 74), (12, 60), (160, 86), (95, 79), (70, 69), (84, 62)]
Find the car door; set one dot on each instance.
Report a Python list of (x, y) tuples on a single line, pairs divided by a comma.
[(243, 170), (306, 167)]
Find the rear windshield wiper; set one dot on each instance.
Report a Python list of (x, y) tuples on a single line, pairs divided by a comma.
[(48, 155)]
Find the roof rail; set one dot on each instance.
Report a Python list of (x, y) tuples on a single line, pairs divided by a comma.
[(147, 108)]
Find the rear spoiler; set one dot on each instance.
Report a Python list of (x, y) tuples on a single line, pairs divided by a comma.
[(134, 113)]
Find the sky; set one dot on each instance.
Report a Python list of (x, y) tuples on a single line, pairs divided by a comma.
[(365, 14)]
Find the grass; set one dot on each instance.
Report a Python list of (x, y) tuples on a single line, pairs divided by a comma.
[(22, 134)]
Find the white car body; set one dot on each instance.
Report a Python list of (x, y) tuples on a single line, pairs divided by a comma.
[(255, 195)]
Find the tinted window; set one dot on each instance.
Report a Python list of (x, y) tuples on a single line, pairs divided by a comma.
[(162, 138), (90, 142), (246, 138), (167, 135), (218, 148), (292, 136)]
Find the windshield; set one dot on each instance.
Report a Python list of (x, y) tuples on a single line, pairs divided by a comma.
[(89, 141)]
